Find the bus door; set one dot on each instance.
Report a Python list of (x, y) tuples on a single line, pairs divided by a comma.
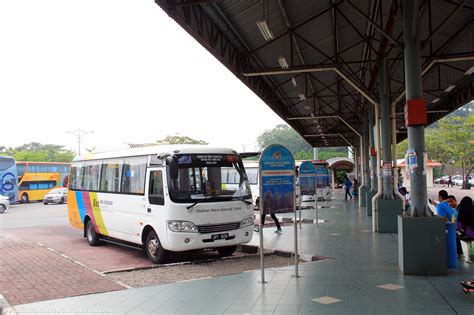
[(155, 189)]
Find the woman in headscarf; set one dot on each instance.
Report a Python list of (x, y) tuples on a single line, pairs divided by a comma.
[(465, 222)]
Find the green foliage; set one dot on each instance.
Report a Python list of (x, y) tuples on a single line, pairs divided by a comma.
[(450, 141), (177, 139), (286, 136), (301, 150), (38, 152)]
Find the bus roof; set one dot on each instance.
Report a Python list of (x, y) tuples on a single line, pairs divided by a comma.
[(45, 163), (157, 149)]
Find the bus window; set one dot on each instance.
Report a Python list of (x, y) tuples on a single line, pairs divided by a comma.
[(133, 175), (91, 177), (252, 174), (155, 191), (110, 177), (21, 170)]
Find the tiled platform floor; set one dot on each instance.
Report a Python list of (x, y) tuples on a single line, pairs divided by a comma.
[(349, 283)]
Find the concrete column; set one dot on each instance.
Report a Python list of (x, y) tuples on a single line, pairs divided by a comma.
[(414, 90), (386, 130), (365, 163), (315, 153), (366, 151), (373, 159)]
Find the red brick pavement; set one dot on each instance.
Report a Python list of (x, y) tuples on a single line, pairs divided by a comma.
[(31, 273), (70, 241)]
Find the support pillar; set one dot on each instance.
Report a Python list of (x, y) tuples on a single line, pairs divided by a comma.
[(419, 253), (373, 162), (315, 153), (365, 164), (388, 207)]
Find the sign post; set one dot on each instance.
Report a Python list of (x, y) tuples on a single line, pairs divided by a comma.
[(277, 191), (308, 183)]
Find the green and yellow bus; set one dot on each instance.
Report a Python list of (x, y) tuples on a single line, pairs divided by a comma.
[(36, 179)]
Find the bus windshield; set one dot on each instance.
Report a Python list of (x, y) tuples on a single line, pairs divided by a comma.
[(214, 177)]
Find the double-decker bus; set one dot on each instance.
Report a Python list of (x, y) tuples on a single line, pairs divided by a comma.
[(8, 178), (36, 179), (162, 199)]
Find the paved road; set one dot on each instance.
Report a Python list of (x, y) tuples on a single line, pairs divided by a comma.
[(33, 215)]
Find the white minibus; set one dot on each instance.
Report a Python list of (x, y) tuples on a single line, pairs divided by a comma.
[(162, 198)]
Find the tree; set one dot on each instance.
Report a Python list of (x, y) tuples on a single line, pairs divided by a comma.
[(455, 139), (301, 150), (284, 135), (451, 140), (178, 139), (38, 152)]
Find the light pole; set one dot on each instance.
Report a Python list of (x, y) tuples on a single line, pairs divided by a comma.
[(79, 133)]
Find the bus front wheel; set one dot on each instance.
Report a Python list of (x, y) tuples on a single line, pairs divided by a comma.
[(154, 250), (24, 198), (226, 250), (91, 235)]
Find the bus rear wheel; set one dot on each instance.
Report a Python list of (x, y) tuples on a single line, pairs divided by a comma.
[(25, 198), (91, 235), (226, 250), (154, 250)]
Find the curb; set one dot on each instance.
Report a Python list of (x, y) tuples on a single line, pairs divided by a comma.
[(250, 250), (5, 307)]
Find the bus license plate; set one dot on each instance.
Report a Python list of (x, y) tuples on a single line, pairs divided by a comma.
[(222, 236)]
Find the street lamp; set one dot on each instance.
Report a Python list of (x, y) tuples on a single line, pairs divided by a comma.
[(79, 133)]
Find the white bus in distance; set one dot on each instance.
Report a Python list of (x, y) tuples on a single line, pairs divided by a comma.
[(162, 198)]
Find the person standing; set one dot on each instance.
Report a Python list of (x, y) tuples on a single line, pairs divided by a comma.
[(442, 207), (355, 189), (348, 185), (450, 181), (268, 210), (454, 205)]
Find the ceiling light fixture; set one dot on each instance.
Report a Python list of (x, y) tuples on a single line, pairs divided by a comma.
[(302, 96), (450, 88), (470, 71), (265, 30), (293, 81), (436, 100), (283, 63)]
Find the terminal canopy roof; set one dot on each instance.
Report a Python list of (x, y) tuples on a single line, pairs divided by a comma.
[(315, 62)]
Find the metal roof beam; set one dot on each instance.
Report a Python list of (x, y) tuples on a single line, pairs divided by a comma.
[(380, 29), (291, 30), (429, 66), (440, 26)]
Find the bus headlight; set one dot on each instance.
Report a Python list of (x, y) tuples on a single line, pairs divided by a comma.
[(247, 221), (182, 226)]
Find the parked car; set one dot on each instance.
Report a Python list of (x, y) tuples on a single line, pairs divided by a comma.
[(458, 181), (4, 203), (58, 195), (442, 180)]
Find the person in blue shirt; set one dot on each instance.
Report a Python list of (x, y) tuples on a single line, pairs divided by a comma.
[(442, 207), (348, 185)]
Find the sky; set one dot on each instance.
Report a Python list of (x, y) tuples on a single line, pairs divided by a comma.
[(120, 68)]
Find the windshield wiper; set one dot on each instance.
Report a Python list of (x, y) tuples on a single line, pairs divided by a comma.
[(242, 199), (198, 201)]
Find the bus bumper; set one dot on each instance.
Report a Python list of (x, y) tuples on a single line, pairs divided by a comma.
[(178, 241)]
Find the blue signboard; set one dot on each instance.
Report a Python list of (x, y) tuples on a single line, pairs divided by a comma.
[(307, 178), (277, 182), (321, 176)]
